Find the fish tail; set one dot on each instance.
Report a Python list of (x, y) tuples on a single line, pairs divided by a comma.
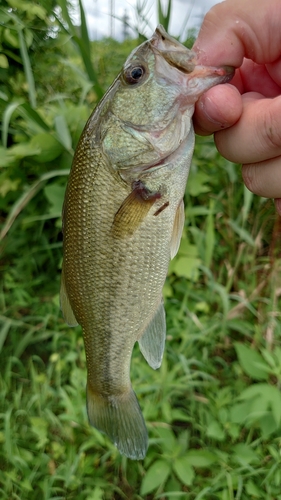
[(119, 417)]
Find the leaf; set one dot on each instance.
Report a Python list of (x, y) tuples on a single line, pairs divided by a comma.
[(4, 332), (49, 147), (40, 427), (27, 69), (164, 18), (197, 183), (55, 195), (80, 43), (253, 490), (168, 438), (267, 425), (84, 28), (63, 132), (187, 267), (6, 120), (186, 263), (156, 475), (240, 412), (200, 458), (26, 197), (251, 362), (268, 394), (7, 185), (4, 63), (28, 112), (215, 431), (184, 470), (17, 152), (11, 38), (38, 11), (275, 404), (210, 236), (97, 494), (245, 454), (242, 233), (248, 199)]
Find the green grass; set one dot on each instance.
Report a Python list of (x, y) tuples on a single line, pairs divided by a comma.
[(213, 409)]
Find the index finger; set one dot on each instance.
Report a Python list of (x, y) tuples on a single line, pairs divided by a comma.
[(232, 30)]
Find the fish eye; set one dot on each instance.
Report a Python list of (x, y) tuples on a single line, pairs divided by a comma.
[(134, 75)]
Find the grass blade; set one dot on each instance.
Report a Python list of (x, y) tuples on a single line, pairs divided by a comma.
[(242, 233), (32, 115), (82, 43), (27, 69), (248, 199), (4, 332), (6, 120), (187, 16), (63, 133), (84, 28), (26, 197), (164, 18), (210, 236)]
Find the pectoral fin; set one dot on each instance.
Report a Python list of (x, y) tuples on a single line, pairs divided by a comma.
[(177, 229), (133, 210), (66, 308), (152, 342)]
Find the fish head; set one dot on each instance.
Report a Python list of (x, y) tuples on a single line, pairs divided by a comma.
[(152, 101)]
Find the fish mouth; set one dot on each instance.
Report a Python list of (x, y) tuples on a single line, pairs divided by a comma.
[(172, 51), (185, 60), (223, 73)]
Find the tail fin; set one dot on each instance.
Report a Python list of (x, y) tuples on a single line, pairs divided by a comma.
[(120, 417)]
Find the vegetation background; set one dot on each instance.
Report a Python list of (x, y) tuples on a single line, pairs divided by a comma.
[(213, 409)]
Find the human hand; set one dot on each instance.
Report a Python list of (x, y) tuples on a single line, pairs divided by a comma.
[(246, 114)]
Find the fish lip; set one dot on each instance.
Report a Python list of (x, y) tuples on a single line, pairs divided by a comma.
[(176, 54), (184, 59), (224, 73)]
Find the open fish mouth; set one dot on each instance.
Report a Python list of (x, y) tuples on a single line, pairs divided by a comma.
[(224, 73), (185, 60)]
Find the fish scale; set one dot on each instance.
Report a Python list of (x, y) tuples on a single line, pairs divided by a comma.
[(122, 222)]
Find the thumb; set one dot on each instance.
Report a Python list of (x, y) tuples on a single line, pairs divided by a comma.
[(218, 108)]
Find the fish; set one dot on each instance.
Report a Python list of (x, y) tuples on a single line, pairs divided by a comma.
[(123, 217)]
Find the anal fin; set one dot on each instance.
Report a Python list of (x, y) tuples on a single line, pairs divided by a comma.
[(152, 342)]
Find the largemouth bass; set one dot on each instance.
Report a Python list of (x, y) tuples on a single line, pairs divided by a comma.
[(122, 223)]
